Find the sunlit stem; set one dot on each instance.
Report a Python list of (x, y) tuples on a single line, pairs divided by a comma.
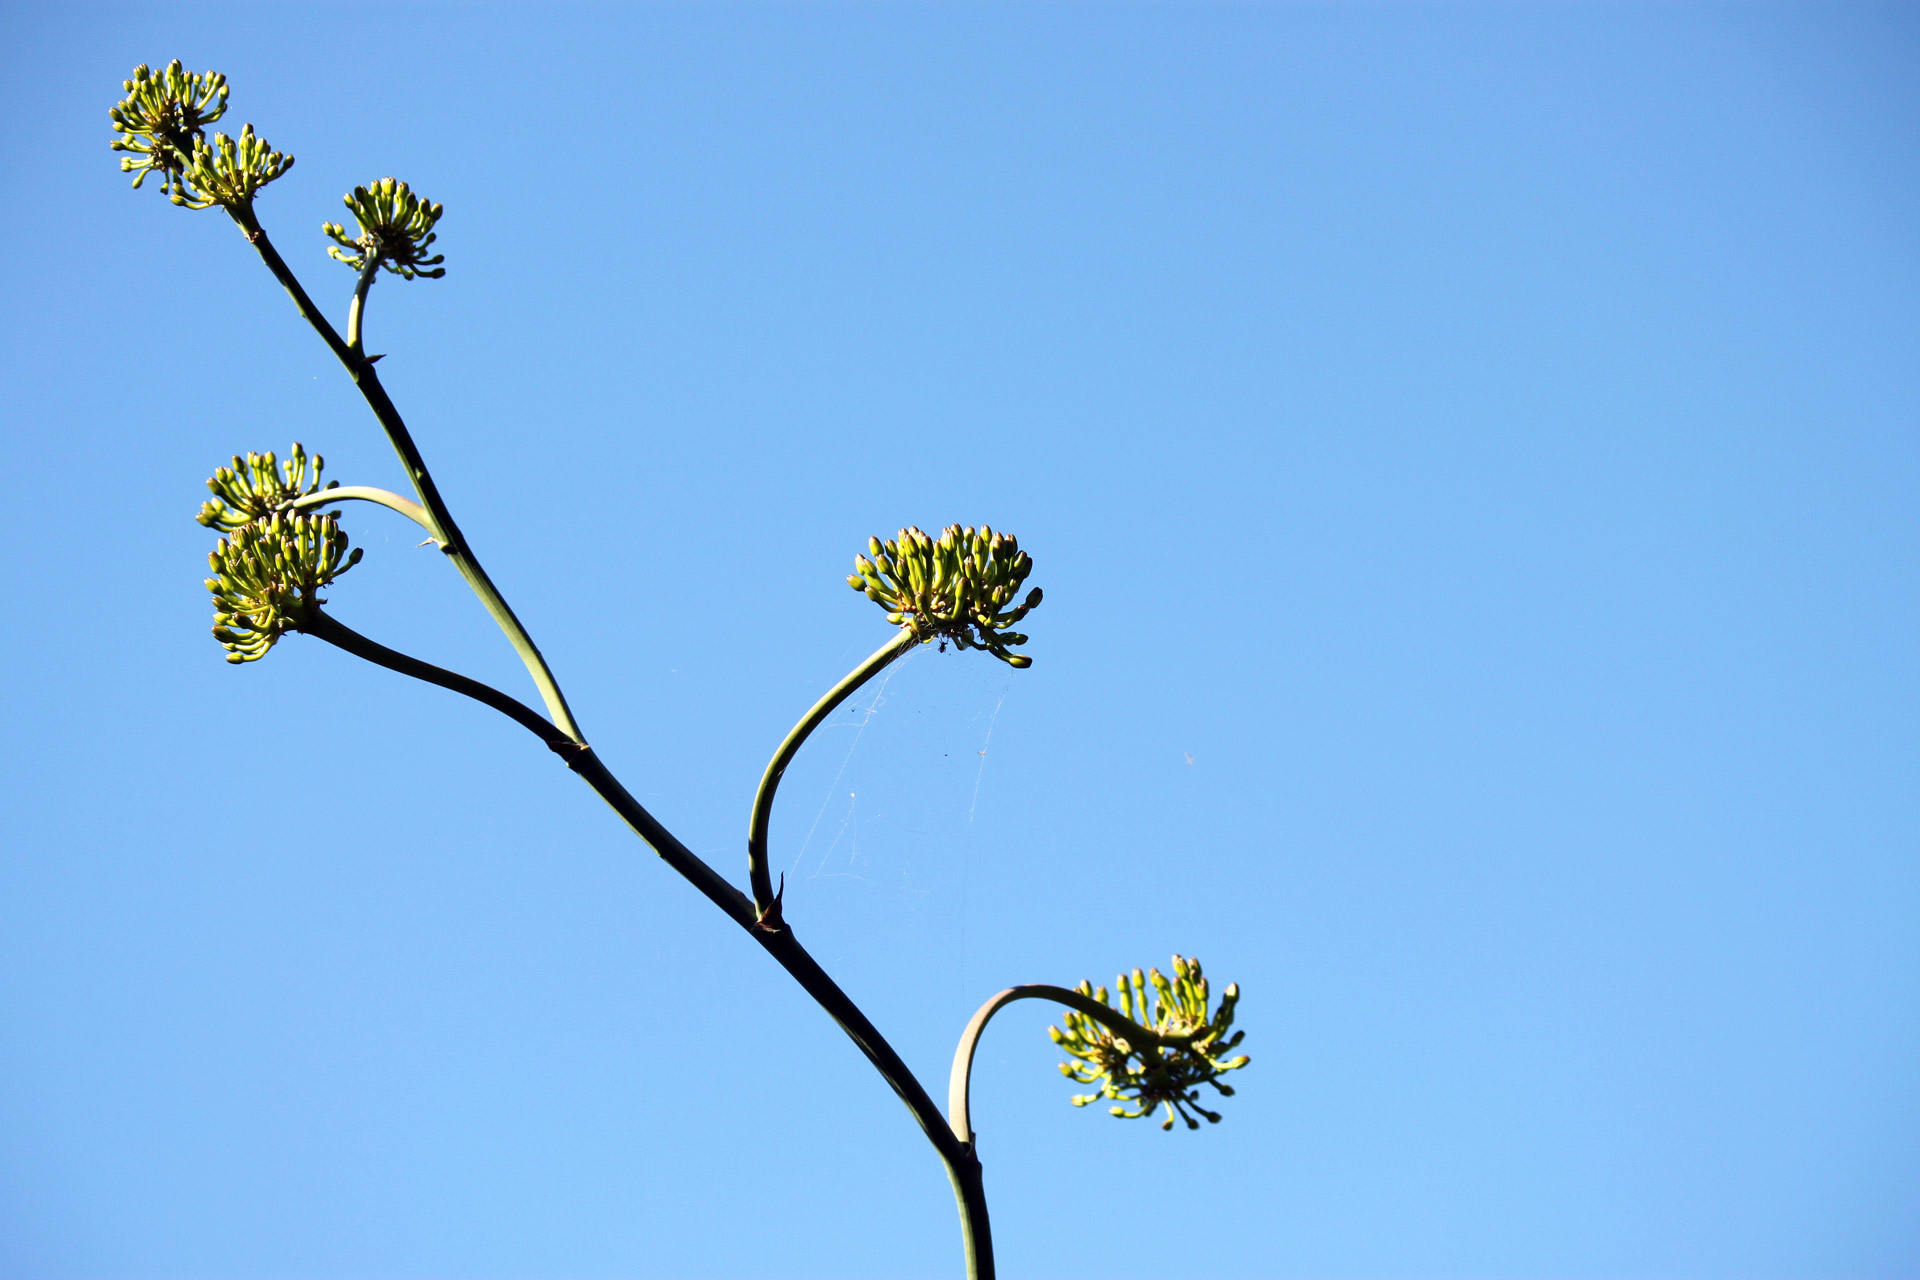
[(325, 627), (440, 521), (962, 1168), (1136, 1036), (356, 312), (975, 1227), (365, 493), (564, 737), (763, 895)]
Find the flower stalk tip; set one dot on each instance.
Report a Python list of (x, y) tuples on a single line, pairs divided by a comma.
[(267, 578), (230, 172), (959, 587), (162, 124), (1146, 1078), (395, 231), (259, 486), (164, 115)]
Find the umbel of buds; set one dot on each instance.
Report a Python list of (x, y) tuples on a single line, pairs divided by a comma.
[(161, 119), (958, 588), (1144, 1078), (230, 173), (396, 227), (259, 486), (267, 578)]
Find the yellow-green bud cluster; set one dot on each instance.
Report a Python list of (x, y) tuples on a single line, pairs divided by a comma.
[(258, 486), (267, 577), (1146, 1078), (161, 119), (229, 172), (956, 588), (396, 226)]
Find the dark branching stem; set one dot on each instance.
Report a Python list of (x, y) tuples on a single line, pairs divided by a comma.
[(562, 735), (1137, 1036), (966, 1174), (360, 368), (962, 1168), (766, 902), (326, 627)]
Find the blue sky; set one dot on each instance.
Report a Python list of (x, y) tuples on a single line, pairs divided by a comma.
[(1470, 455)]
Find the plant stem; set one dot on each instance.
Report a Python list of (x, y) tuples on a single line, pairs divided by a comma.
[(326, 627), (564, 737), (957, 1083), (366, 493), (966, 1174), (962, 1168), (452, 541), (766, 904), (356, 311)]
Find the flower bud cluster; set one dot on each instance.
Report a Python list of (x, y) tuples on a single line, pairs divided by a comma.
[(270, 567), (230, 172), (1146, 1077), (163, 115), (260, 485), (955, 588), (396, 227), (267, 577), (163, 125)]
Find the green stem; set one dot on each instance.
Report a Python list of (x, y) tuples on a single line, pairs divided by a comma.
[(564, 737), (443, 528), (326, 627), (765, 902), (960, 1079), (968, 1188), (356, 311), (962, 1169), (365, 493)]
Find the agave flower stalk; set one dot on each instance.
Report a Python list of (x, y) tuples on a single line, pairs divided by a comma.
[(953, 589), (281, 549)]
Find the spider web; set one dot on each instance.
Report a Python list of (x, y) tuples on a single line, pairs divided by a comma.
[(897, 778)]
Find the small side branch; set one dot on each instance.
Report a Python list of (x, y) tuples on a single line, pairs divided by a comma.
[(360, 368), (325, 627), (366, 493), (357, 312), (957, 1083), (766, 903), (782, 946)]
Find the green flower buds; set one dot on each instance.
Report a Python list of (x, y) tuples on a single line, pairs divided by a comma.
[(260, 486), (162, 118), (267, 578), (958, 588), (1148, 1078), (396, 226), (229, 172)]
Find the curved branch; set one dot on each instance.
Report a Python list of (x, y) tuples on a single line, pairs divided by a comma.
[(357, 312), (765, 903), (366, 493), (781, 944), (337, 633), (360, 368), (957, 1084), (564, 737)]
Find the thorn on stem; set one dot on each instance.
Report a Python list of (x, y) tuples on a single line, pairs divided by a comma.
[(770, 920)]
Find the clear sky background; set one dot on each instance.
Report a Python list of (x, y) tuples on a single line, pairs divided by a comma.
[(1470, 454)]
